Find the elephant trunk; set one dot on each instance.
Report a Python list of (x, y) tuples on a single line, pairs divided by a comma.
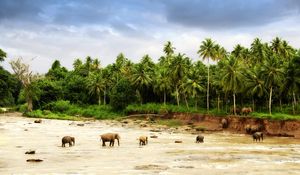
[(118, 142)]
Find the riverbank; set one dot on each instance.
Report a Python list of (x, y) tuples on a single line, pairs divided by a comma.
[(195, 123), (221, 152)]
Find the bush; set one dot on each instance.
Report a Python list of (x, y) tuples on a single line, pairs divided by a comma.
[(58, 106), (22, 108)]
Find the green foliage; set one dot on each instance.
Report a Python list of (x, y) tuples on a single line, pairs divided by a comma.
[(2, 55), (23, 107), (94, 111), (9, 88), (58, 106), (155, 108), (170, 123), (122, 95), (275, 116)]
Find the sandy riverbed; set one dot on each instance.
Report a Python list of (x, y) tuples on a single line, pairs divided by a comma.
[(221, 153)]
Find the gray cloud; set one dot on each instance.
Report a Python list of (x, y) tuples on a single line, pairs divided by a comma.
[(219, 14)]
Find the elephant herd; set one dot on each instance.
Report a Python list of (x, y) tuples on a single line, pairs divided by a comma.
[(143, 140), (111, 137), (255, 130)]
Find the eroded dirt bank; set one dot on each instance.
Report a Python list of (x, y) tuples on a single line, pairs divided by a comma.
[(237, 124), (221, 153)]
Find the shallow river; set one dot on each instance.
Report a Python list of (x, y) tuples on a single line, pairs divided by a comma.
[(221, 153)]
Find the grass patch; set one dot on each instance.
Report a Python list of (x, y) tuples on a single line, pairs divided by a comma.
[(275, 116), (92, 111), (156, 108), (170, 123), (50, 115)]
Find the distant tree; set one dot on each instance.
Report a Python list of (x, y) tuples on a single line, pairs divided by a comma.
[(25, 75), (232, 80), (96, 85), (207, 51)]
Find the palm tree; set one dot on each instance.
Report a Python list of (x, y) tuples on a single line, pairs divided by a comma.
[(192, 87), (232, 80), (254, 84), (162, 82), (272, 73), (207, 51), (96, 85), (77, 64), (141, 78), (292, 80), (220, 52), (258, 51), (169, 49), (179, 66), (238, 51), (276, 46)]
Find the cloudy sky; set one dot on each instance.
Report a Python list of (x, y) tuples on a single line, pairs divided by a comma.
[(41, 31)]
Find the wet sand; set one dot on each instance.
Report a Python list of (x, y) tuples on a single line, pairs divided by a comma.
[(221, 153)]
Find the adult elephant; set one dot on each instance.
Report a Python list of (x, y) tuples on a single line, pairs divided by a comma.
[(257, 136), (224, 123), (246, 110), (110, 137)]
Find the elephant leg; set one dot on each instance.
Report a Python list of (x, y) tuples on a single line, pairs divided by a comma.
[(62, 145), (103, 143), (113, 143)]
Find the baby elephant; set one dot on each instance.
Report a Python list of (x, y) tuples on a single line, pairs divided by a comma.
[(68, 139), (257, 136), (110, 137), (143, 140), (199, 139)]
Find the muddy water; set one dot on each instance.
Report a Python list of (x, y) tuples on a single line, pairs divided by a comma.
[(221, 153)]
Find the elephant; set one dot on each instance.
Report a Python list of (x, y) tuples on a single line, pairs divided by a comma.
[(199, 139), (110, 137), (251, 129), (246, 110), (143, 140), (68, 139), (248, 129), (224, 123), (237, 110), (257, 136)]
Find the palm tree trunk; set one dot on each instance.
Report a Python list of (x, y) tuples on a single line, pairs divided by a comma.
[(234, 107), (196, 102), (141, 98), (165, 96), (294, 102), (253, 104), (207, 98), (186, 102), (270, 100), (218, 102), (104, 98), (29, 104), (177, 96), (99, 99), (280, 104)]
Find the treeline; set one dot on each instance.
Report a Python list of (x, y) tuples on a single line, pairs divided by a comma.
[(265, 76)]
